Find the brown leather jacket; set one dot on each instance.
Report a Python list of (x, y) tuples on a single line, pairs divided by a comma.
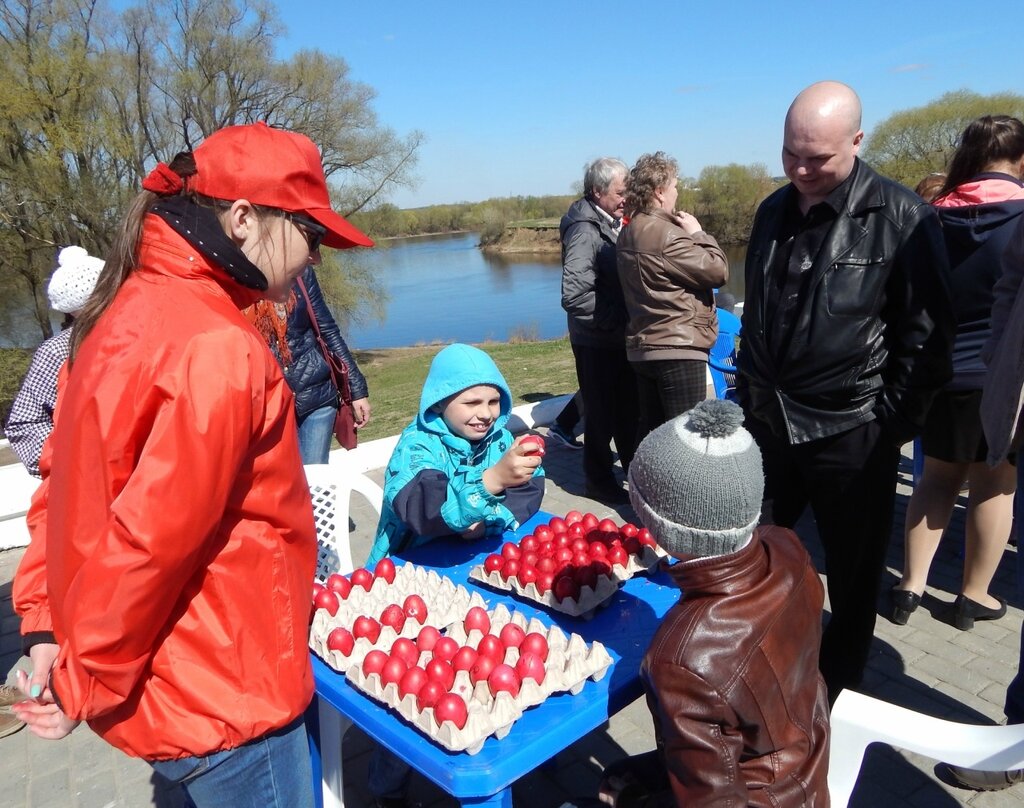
[(668, 278), (740, 710)]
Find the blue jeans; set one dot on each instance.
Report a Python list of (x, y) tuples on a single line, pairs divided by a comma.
[(388, 775), (271, 772), (1015, 692), (315, 433)]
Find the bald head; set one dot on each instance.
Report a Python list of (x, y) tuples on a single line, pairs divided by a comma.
[(826, 103), (821, 140)]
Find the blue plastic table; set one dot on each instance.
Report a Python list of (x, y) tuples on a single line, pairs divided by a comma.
[(625, 626)]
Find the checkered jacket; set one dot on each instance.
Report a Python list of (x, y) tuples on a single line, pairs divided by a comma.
[(31, 417)]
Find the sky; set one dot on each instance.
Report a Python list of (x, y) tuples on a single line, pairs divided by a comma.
[(514, 99)]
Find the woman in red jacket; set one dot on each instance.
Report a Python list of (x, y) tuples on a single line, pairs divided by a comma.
[(165, 595)]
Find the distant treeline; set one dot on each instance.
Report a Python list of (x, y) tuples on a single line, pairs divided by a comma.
[(487, 217), (723, 198)]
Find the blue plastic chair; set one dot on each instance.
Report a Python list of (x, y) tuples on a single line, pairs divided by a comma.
[(722, 361)]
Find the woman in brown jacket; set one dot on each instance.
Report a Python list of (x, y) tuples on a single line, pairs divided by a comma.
[(669, 269)]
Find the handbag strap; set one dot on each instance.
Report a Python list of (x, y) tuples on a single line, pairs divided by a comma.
[(330, 357)]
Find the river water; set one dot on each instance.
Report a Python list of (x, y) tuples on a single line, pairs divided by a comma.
[(443, 288), (440, 288)]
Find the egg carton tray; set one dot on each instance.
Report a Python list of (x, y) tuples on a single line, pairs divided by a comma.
[(590, 597), (447, 602), (570, 663)]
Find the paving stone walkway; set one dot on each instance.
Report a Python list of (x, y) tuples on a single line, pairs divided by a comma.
[(926, 665)]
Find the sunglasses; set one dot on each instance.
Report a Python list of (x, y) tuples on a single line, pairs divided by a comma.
[(314, 232)]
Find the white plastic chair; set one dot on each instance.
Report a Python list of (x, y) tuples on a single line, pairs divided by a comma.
[(331, 488), (859, 720)]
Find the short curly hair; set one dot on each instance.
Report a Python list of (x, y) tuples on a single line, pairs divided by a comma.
[(651, 173)]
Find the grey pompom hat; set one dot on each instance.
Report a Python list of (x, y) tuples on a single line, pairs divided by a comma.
[(696, 482)]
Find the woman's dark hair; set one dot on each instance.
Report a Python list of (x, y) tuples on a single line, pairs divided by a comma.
[(651, 173), (123, 255), (987, 140)]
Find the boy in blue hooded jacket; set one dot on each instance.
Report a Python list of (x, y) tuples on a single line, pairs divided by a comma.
[(456, 470)]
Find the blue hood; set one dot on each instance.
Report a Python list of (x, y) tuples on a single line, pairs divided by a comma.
[(453, 370)]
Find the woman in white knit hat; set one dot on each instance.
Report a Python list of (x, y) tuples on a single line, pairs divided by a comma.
[(31, 417)]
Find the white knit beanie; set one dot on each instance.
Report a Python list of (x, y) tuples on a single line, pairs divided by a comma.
[(73, 280), (696, 482)]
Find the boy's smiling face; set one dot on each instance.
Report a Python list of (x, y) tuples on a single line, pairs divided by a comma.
[(471, 413)]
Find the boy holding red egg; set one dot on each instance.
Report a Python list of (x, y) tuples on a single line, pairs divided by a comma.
[(456, 469)]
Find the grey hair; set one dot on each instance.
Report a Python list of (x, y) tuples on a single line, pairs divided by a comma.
[(601, 173)]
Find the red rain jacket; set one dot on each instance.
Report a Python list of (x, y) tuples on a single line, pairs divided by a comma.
[(174, 536)]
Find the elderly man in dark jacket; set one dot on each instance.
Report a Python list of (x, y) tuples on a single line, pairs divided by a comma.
[(847, 335), (592, 299)]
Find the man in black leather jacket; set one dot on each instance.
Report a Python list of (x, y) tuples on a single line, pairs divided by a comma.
[(847, 334)]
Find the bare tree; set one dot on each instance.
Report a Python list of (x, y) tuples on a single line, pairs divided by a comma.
[(92, 99)]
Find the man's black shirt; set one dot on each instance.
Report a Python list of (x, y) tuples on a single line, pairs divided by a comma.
[(800, 240)]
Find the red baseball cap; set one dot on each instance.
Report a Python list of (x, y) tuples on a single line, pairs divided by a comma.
[(275, 168)]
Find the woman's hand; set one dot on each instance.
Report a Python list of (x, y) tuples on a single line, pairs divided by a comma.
[(42, 656), (515, 467), (39, 711), (45, 720), (361, 409), (687, 221)]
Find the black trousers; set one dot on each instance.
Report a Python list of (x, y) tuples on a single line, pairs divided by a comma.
[(667, 388), (571, 413), (608, 389), (849, 480)]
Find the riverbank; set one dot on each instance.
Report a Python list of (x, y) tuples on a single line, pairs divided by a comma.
[(543, 237), (525, 238), (380, 239)]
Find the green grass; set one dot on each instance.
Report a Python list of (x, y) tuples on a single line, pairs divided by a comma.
[(533, 370)]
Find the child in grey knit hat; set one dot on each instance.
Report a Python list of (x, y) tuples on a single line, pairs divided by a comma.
[(697, 485), (731, 676)]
